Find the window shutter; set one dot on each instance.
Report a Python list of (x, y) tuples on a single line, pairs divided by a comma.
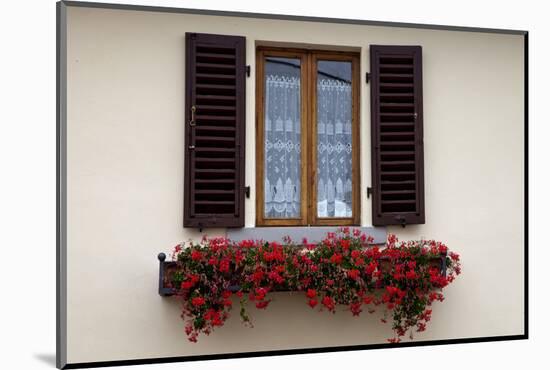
[(214, 131), (396, 134)]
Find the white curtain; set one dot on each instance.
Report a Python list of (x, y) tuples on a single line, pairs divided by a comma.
[(282, 146), (333, 147), (282, 142)]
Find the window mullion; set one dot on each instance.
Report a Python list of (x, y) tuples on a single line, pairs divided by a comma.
[(311, 175)]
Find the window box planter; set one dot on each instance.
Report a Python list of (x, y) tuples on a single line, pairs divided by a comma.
[(168, 268), (345, 268)]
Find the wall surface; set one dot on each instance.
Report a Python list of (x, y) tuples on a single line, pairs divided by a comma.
[(125, 88)]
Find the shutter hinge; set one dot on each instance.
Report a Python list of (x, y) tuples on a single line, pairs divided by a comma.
[(247, 70), (247, 191), (369, 192), (367, 77)]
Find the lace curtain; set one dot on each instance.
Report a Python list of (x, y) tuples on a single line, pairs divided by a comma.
[(282, 198), (333, 147), (282, 143)]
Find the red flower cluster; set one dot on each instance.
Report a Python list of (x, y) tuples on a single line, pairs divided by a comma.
[(404, 278)]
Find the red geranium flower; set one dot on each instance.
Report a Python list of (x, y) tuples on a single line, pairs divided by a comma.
[(355, 308), (311, 293), (258, 276), (198, 301), (370, 268), (353, 274), (224, 265), (312, 303), (196, 255), (345, 243), (328, 302), (336, 258), (262, 304), (226, 294), (260, 294), (186, 285)]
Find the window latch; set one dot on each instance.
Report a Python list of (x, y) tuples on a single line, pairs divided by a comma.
[(247, 70), (367, 77)]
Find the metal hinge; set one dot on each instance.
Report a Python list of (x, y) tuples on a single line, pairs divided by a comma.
[(247, 71), (369, 192), (367, 77), (247, 191)]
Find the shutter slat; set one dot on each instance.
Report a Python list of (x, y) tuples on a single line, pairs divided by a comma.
[(215, 76), (215, 87), (396, 162), (397, 192), (396, 105), (396, 134), (215, 118), (214, 157), (213, 171), (203, 107), (214, 138), (396, 124), (398, 201), (388, 182), (209, 159), (398, 75), (216, 56), (214, 97), (213, 202), (214, 181), (216, 66), (215, 150), (210, 192), (215, 128)]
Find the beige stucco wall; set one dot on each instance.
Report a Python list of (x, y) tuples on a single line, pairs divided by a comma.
[(125, 182)]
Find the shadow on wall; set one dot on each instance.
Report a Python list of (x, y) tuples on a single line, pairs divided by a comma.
[(47, 358)]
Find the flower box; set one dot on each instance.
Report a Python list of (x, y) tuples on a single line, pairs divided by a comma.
[(167, 269), (344, 269)]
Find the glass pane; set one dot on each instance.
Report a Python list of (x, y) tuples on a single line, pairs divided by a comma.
[(282, 138), (334, 117)]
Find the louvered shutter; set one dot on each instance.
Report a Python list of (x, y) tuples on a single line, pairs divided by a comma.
[(214, 131), (397, 135)]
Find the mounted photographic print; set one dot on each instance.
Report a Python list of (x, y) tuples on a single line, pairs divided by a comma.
[(234, 184)]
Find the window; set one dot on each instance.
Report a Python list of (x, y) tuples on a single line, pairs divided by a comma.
[(307, 134)]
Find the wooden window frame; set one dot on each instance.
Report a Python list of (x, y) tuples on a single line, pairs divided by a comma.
[(308, 113)]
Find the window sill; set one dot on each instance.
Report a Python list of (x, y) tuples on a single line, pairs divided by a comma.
[(297, 233)]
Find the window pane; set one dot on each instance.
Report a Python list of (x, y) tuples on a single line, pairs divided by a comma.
[(282, 138), (334, 118)]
